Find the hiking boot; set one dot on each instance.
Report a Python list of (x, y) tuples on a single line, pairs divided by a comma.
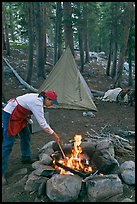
[(28, 161), (4, 181)]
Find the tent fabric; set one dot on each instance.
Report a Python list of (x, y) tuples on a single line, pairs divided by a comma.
[(72, 89)]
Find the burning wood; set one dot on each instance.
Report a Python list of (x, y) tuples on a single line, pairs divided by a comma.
[(76, 163), (62, 150), (66, 168)]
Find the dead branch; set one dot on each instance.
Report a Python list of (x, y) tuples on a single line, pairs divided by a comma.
[(94, 137), (117, 141), (120, 142), (48, 63), (120, 138), (19, 78), (97, 93), (94, 132)]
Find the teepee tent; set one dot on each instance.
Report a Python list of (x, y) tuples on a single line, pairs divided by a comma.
[(72, 89)]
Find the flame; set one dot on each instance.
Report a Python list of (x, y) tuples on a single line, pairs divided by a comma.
[(75, 161)]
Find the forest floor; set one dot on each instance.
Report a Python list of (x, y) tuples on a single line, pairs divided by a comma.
[(66, 123)]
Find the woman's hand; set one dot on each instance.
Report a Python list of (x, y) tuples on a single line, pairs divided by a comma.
[(57, 138), (30, 121)]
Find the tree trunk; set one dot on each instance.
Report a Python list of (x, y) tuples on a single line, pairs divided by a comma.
[(130, 54), (56, 38), (31, 42), (39, 40), (68, 33), (58, 33), (55, 41), (130, 68), (114, 65), (5, 26), (109, 59), (86, 43), (3, 36), (110, 43), (115, 43), (11, 24), (44, 16), (80, 38), (127, 19)]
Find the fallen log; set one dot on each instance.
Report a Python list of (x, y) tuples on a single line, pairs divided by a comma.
[(31, 88), (97, 93)]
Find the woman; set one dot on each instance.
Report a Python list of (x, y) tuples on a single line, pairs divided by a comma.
[(15, 119)]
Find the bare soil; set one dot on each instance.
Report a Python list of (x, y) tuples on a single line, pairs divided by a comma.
[(66, 123)]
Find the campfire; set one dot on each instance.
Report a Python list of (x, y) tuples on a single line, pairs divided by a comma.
[(76, 163), (82, 168)]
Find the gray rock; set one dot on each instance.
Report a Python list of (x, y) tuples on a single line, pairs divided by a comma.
[(102, 187), (33, 182), (127, 170), (22, 171), (127, 200), (45, 159), (42, 189), (47, 148), (63, 188), (21, 182)]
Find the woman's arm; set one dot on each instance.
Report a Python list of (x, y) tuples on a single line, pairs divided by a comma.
[(53, 133)]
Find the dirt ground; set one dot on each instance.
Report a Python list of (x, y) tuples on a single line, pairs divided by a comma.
[(66, 123)]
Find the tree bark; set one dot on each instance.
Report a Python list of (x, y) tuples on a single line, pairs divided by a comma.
[(127, 18), (86, 43), (68, 33), (11, 23), (130, 67), (58, 33), (115, 43), (110, 43), (31, 42), (39, 39), (130, 55), (109, 58), (44, 16), (5, 26), (80, 38)]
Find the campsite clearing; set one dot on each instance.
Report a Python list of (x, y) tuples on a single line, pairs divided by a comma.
[(67, 123)]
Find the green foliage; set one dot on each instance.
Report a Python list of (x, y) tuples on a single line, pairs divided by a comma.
[(19, 46), (100, 22)]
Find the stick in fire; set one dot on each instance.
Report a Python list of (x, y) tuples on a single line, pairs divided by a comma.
[(61, 150)]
